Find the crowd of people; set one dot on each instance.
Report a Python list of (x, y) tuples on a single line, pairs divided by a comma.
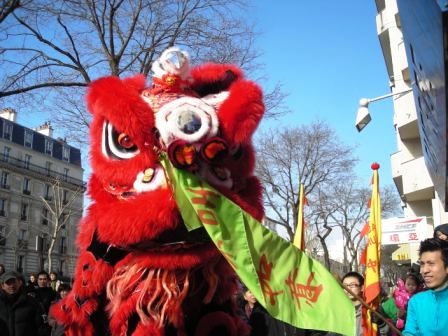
[(24, 306), (417, 306)]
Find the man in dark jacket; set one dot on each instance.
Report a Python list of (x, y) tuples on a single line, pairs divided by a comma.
[(44, 295), (20, 314)]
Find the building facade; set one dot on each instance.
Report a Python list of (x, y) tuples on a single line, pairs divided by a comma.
[(413, 41), (40, 177)]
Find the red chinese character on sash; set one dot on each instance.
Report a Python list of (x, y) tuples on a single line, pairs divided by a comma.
[(303, 291), (264, 274)]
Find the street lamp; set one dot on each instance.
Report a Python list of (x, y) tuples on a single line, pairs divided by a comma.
[(363, 116)]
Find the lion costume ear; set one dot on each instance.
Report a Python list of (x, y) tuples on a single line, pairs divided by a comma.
[(214, 78), (239, 101)]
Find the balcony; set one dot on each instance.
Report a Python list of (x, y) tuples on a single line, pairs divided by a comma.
[(22, 243), (417, 183), (405, 117), (41, 171), (26, 192), (5, 186), (397, 175)]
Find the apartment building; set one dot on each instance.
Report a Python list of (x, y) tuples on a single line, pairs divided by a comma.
[(414, 45), (33, 165)]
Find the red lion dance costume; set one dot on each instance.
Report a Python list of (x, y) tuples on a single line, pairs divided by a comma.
[(140, 272)]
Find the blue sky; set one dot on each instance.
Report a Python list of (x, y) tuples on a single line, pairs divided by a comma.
[(327, 56)]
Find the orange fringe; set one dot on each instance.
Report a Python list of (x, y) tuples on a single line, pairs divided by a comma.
[(160, 292)]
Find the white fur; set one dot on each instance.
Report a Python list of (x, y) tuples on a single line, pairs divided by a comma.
[(167, 116), (163, 64), (157, 181)]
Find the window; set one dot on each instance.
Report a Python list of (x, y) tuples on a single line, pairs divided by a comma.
[(2, 235), (65, 153), (7, 130), (2, 207), (26, 161), (47, 192), (22, 234), (6, 152), (20, 263), (41, 244), (62, 246), (28, 138), (63, 220), (26, 186), (65, 197), (24, 212), (44, 216), (48, 167), (61, 267), (66, 170), (48, 147), (4, 180)]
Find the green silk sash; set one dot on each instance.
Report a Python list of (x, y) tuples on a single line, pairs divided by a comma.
[(292, 287)]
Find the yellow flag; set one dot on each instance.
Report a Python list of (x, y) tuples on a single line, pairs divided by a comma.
[(372, 287), (299, 237)]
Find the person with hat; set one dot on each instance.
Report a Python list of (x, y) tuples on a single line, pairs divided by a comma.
[(20, 314), (441, 232)]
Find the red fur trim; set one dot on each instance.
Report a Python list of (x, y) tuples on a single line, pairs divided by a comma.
[(125, 222), (240, 114), (91, 275), (149, 330), (243, 327), (179, 259), (215, 320), (68, 311), (76, 330)]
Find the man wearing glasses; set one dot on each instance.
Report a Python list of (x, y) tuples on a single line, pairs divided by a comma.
[(355, 282)]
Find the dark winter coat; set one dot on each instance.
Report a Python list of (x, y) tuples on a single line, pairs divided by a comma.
[(263, 324), (45, 296), (20, 315)]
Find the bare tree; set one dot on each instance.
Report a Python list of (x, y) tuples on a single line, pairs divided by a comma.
[(392, 270), (7, 7), (61, 207), (53, 49), (319, 218), (350, 213), (311, 154)]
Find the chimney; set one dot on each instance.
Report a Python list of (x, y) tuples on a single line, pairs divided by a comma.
[(45, 129), (9, 114)]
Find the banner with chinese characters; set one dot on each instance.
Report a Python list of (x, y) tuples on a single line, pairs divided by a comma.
[(405, 230), (291, 286)]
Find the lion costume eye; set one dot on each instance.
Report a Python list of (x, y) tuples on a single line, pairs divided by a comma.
[(117, 145)]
